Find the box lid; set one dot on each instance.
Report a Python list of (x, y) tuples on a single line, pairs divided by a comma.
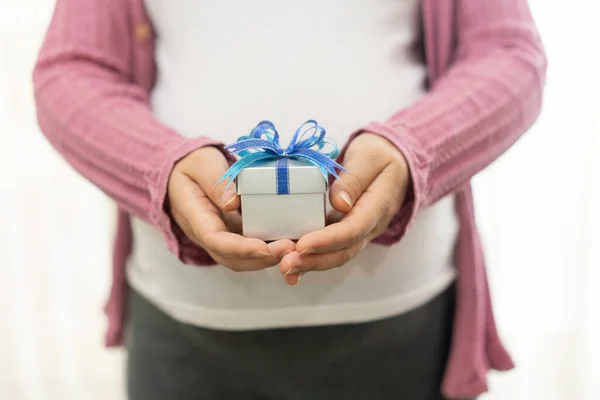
[(261, 178)]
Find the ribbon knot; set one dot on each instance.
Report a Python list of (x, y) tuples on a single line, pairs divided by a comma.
[(308, 143)]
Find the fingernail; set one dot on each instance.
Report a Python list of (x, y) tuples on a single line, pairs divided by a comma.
[(228, 197), (260, 254), (293, 270), (306, 251), (297, 280), (346, 197)]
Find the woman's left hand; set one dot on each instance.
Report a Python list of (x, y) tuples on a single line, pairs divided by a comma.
[(369, 196)]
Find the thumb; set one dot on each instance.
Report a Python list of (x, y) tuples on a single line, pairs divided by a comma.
[(346, 191), (206, 166)]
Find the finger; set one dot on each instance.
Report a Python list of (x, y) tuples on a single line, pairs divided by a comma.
[(293, 279), (242, 265), (367, 219), (362, 168), (353, 227), (201, 221), (193, 211), (293, 264), (209, 230), (233, 221), (214, 166), (231, 245), (333, 217), (278, 250)]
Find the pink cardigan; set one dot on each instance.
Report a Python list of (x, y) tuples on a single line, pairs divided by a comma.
[(486, 67)]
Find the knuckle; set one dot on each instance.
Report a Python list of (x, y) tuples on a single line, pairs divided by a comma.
[(397, 166), (198, 236), (386, 208), (352, 185), (179, 167), (356, 234), (209, 245), (374, 155), (345, 258), (355, 240), (362, 246), (215, 189), (178, 217), (379, 227), (355, 250)]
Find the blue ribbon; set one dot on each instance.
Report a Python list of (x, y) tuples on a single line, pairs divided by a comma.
[(308, 143)]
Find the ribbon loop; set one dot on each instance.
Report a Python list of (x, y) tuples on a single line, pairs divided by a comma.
[(308, 143)]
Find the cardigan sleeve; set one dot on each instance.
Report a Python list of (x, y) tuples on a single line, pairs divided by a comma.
[(93, 113), (474, 112)]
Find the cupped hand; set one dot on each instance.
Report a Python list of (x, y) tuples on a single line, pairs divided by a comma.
[(208, 214), (369, 195)]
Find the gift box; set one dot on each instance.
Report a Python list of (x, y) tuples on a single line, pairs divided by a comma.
[(282, 190), (268, 214)]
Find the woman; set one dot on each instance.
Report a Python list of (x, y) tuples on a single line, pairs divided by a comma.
[(140, 96)]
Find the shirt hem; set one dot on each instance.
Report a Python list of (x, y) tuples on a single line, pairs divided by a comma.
[(286, 317)]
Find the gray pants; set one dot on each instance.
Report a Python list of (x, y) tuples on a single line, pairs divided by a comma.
[(402, 357)]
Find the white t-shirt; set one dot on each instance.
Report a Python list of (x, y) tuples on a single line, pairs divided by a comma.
[(225, 65)]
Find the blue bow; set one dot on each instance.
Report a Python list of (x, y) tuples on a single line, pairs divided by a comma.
[(308, 143)]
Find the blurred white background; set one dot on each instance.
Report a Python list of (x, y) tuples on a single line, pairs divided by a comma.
[(538, 209)]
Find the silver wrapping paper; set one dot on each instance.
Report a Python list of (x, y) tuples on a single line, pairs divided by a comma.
[(269, 216)]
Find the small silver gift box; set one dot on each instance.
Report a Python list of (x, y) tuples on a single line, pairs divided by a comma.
[(268, 215)]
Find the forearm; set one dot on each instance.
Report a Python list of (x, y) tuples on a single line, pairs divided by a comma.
[(472, 115), (475, 111), (99, 119), (107, 132)]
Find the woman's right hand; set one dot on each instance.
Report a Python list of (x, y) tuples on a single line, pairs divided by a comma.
[(208, 214)]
